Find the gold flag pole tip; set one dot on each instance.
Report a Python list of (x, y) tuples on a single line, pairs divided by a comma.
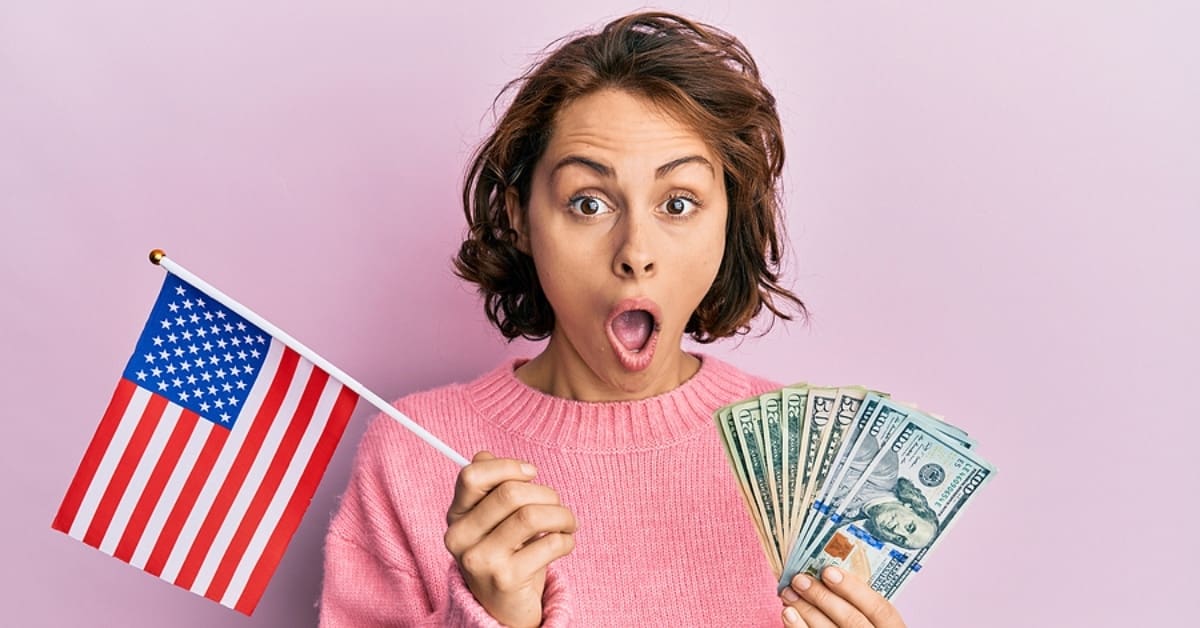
[(156, 256)]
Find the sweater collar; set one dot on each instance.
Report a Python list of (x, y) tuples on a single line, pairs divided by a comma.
[(686, 411)]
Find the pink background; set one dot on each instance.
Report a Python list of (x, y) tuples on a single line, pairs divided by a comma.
[(992, 211)]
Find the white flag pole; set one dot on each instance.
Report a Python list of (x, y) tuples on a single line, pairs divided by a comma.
[(159, 258)]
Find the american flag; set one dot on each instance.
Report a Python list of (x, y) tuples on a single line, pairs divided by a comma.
[(209, 452)]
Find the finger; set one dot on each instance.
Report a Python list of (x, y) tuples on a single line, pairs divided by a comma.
[(868, 601), (477, 479), (832, 606), (799, 613), (543, 551), (469, 529), (527, 522)]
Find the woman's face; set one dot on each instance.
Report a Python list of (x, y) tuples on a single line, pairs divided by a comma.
[(626, 226)]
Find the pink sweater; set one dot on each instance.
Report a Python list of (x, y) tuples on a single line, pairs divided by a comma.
[(664, 537)]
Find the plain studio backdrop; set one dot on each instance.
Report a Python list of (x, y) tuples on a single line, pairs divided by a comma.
[(991, 208)]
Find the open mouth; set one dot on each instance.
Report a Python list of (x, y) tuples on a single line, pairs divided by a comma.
[(633, 327)]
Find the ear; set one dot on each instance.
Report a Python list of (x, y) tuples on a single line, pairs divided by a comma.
[(516, 218)]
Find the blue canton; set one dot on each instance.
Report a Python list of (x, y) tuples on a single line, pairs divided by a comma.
[(198, 353)]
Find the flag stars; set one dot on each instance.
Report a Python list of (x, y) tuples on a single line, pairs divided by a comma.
[(233, 401), (178, 352), (235, 371), (173, 306), (242, 356), (228, 328), (170, 369), (183, 396), (179, 321), (229, 357), (156, 372), (204, 406), (201, 332), (241, 385), (235, 342), (225, 387), (149, 357), (187, 304), (221, 314), (177, 382), (208, 316), (225, 417), (219, 404), (141, 375), (248, 340), (214, 330), (246, 368), (193, 349), (199, 363), (191, 379), (187, 335), (184, 366), (241, 326), (179, 290), (163, 355), (157, 341), (213, 360), (194, 318), (166, 324), (205, 376), (200, 302), (198, 393), (254, 353), (221, 373), (162, 385), (172, 338), (207, 346), (221, 344), (212, 390)]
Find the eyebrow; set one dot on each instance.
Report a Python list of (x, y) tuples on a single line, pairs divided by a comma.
[(607, 172)]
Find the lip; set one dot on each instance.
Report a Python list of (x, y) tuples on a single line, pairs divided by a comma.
[(634, 360)]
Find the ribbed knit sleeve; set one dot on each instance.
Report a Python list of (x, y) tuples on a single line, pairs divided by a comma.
[(372, 577)]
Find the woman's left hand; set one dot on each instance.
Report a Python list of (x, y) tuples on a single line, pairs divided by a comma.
[(836, 600)]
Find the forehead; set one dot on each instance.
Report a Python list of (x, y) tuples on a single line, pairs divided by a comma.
[(626, 130)]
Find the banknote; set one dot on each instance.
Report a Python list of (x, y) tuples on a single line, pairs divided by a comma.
[(905, 499), (848, 476)]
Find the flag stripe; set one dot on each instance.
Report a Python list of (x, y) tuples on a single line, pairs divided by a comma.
[(141, 473), (202, 432), (258, 461), (256, 583), (151, 413), (184, 426), (92, 457), (279, 463), (213, 446), (236, 475), (108, 462)]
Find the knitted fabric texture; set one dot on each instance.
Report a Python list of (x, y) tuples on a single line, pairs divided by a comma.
[(664, 537)]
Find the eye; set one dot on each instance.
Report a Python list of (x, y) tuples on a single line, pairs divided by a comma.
[(681, 205), (588, 205)]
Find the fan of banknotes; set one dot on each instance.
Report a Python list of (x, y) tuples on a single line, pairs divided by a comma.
[(848, 477)]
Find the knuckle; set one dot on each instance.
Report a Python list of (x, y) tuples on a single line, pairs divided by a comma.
[(475, 562), (527, 516), (509, 493), (469, 477)]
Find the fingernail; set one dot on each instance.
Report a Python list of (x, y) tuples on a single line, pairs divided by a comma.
[(802, 582), (790, 615), (832, 574), (528, 469), (789, 595)]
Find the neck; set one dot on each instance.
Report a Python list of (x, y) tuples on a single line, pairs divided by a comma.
[(560, 371)]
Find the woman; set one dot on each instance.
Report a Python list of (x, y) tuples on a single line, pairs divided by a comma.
[(627, 196)]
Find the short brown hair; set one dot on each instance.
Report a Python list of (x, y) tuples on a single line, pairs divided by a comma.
[(699, 73)]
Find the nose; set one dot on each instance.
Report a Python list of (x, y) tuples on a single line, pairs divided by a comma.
[(635, 256)]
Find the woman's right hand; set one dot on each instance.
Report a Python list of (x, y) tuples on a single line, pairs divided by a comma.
[(503, 531)]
